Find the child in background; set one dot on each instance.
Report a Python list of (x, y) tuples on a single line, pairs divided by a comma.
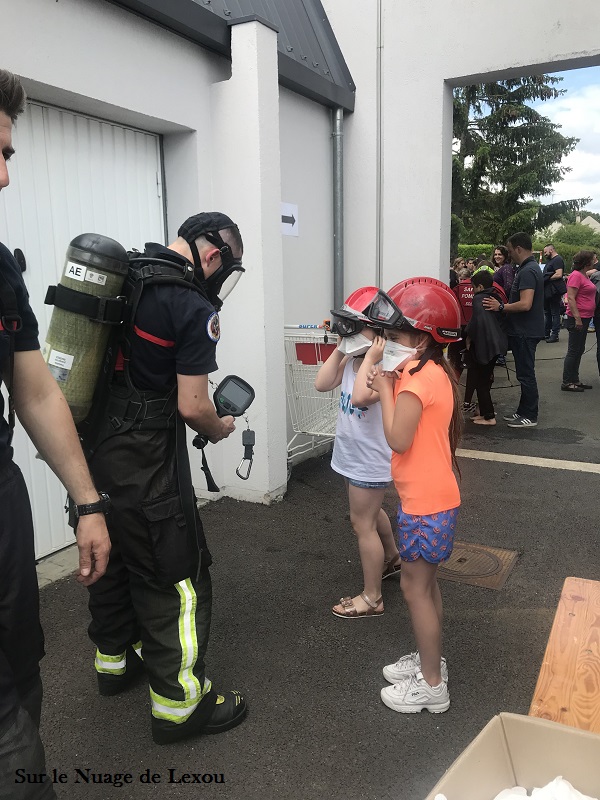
[(421, 418), (486, 339), (360, 452)]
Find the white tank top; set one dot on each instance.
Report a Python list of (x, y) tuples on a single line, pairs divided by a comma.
[(360, 451)]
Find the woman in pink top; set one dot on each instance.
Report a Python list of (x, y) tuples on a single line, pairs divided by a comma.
[(422, 416), (581, 300)]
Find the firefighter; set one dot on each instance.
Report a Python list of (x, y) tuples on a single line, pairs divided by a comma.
[(152, 608), (45, 415)]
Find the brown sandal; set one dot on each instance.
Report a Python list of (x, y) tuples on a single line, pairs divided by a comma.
[(391, 567), (350, 611)]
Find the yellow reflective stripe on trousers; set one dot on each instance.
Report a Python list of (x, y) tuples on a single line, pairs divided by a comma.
[(138, 649), (176, 710), (180, 710), (110, 665)]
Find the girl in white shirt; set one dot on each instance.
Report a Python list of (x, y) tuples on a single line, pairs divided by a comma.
[(360, 453)]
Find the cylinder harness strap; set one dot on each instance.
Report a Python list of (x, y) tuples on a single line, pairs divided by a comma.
[(106, 310), (10, 321)]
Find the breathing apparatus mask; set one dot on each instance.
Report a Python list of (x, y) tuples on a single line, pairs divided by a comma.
[(221, 283)]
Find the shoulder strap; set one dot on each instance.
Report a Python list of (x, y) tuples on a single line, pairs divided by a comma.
[(11, 322)]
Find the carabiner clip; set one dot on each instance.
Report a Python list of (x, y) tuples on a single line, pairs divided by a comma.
[(238, 470), (248, 440)]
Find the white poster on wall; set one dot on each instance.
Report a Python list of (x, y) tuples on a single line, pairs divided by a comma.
[(289, 219)]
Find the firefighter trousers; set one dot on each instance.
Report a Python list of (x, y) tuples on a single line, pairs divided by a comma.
[(21, 647), (157, 589)]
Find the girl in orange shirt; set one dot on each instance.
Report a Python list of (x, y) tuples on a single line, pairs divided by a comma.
[(421, 413)]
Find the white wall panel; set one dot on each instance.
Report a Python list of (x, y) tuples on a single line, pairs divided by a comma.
[(72, 174)]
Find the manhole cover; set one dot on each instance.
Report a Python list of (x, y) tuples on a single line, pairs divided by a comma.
[(478, 565)]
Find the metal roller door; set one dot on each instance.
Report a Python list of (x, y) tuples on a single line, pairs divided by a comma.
[(72, 174)]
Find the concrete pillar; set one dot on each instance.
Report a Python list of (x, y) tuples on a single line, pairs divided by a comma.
[(246, 185)]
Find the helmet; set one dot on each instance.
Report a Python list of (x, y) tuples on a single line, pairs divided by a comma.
[(428, 305), (350, 318)]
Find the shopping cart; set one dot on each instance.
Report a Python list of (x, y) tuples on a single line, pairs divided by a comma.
[(313, 414)]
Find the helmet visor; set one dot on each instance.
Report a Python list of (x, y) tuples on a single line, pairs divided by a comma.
[(230, 281), (345, 325), (384, 312)]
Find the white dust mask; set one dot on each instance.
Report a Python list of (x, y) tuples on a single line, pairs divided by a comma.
[(396, 355), (356, 345)]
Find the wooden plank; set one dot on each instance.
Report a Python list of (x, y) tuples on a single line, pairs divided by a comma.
[(568, 686)]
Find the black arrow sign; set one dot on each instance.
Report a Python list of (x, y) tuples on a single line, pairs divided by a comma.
[(288, 220)]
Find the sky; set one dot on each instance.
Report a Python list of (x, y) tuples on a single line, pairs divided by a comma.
[(578, 112)]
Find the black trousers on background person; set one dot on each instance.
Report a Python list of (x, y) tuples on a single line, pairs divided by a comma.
[(21, 645), (479, 379), (575, 349)]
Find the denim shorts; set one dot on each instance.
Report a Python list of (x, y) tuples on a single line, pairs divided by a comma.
[(368, 484), (430, 536)]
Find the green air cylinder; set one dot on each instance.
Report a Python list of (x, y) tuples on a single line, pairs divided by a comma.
[(75, 344)]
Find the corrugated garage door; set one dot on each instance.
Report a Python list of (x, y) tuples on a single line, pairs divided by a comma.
[(72, 174)]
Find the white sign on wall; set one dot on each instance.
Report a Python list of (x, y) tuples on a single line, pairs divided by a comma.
[(289, 219)]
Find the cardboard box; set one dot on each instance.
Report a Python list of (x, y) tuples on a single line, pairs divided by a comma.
[(514, 750)]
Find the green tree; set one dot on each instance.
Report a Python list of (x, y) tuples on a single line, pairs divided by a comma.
[(580, 235), (505, 153)]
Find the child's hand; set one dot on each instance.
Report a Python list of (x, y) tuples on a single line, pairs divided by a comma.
[(379, 381), (375, 353)]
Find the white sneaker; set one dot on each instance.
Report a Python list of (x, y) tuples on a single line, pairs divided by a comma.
[(407, 666), (413, 694)]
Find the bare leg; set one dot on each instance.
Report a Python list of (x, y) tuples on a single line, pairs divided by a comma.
[(365, 506), (422, 595), (385, 533)]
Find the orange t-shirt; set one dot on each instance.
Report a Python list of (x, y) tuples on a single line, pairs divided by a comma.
[(423, 475)]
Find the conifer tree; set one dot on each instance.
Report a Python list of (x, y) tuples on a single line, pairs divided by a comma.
[(506, 156)]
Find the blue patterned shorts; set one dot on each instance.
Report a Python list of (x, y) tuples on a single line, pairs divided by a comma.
[(428, 535)]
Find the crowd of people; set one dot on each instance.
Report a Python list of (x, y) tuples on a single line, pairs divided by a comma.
[(535, 303)]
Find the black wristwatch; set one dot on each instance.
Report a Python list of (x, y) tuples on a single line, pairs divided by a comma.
[(500, 307), (101, 506)]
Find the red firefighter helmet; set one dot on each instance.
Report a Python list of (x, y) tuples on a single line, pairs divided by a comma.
[(350, 318), (428, 305)]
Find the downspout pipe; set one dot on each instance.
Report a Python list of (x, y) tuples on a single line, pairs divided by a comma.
[(338, 207)]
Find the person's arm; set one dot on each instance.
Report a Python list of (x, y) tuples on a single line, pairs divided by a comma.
[(572, 301), (400, 419), (45, 415), (557, 274), (362, 395), (197, 409), (330, 375), (524, 303)]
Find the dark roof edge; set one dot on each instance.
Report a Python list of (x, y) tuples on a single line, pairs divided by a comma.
[(303, 81), (252, 18), (190, 20), (335, 46), (186, 18)]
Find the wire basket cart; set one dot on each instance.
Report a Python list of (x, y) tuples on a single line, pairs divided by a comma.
[(313, 414)]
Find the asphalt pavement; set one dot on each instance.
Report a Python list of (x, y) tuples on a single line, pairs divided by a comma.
[(316, 727)]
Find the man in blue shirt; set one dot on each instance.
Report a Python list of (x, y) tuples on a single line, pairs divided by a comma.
[(525, 325)]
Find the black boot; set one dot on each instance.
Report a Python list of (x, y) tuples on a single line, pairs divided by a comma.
[(109, 685), (216, 713)]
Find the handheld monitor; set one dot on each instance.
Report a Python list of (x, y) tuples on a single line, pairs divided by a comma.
[(233, 396)]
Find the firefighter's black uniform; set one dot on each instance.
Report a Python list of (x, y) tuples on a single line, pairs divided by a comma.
[(156, 592), (21, 638)]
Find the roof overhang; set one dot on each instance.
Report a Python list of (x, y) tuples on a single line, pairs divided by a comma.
[(200, 25)]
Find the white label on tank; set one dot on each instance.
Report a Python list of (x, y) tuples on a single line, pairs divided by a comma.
[(75, 271), (95, 277), (62, 360)]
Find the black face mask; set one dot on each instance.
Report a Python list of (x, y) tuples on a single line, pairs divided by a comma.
[(221, 283)]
